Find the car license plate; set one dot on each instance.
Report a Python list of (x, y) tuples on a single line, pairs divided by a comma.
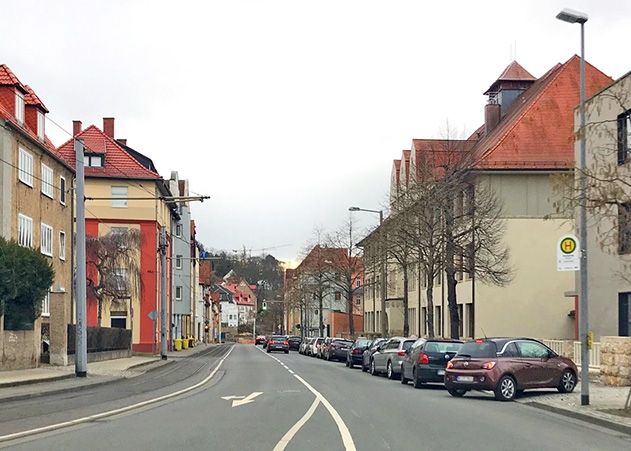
[(464, 378), (441, 372)]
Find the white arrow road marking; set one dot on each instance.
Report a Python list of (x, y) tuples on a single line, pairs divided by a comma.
[(241, 400)]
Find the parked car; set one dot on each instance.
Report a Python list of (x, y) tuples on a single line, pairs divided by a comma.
[(278, 343), (368, 353), (260, 339), (314, 346), (338, 349), (508, 366), (303, 346), (294, 342), (356, 351), (323, 346), (389, 356), (427, 359)]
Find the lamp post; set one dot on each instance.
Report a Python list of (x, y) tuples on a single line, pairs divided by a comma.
[(571, 16), (384, 322)]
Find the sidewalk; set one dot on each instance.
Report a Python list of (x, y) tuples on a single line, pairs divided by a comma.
[(47, 379), (605, 409)]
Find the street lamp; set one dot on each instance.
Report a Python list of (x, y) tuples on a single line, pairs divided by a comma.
[(571, 16), (383, 277)]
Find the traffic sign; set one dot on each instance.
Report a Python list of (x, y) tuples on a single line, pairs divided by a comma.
[(153, 315), (568, 254)]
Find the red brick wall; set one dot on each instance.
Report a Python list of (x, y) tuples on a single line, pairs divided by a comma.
[(339, 324)]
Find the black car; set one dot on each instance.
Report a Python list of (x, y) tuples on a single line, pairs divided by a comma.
[(278, 343), (294, 342), (337, 349), (356, 352), (427, 359), (370, 350)]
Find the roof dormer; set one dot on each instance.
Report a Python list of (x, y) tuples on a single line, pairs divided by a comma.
[(503, 92), (34, 114), (12, 93)]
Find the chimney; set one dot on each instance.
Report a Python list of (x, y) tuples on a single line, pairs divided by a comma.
[(108, 127), (492, 115), (122, 141), (76, 128)]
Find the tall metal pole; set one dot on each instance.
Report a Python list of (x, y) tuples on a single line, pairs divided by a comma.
[(583, 305), (163, 292), (81, 344), (384, 288)]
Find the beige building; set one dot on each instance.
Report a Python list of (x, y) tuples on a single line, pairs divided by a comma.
[(608, 143), (524, 146), (36, 211)]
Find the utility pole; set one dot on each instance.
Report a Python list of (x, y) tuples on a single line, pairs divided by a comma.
[(163, 292), (81, 344)]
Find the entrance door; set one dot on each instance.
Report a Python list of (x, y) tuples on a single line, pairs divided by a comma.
[(624, 314)]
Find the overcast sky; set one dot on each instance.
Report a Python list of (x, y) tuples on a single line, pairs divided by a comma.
[(287, 112)]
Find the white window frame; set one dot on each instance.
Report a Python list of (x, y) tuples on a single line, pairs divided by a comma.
[(178, 230), (25, 230), (178, 262), (19, 106), (119, 200), (62, 190), (178, 288), (41, 125), (46, 305), (46, 240), (48, 177), (25, 167), (62, 245)]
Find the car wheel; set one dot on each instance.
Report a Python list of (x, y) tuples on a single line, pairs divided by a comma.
[(328, 357), (404, 380), (418, 383), (268, 351), (568, 382), (457, 392), (506, 389), (364, 369), (351, 365), (390, 371), (373, 370), (287, 351)]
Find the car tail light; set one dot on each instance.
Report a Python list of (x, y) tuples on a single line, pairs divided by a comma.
[(401, 353), (479, 341), (423, 359), (450, 365), (489, 365), (285, 342), (357, 351)]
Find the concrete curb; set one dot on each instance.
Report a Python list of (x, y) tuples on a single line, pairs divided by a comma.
[(36, 381), (78, 387), (583, 417)]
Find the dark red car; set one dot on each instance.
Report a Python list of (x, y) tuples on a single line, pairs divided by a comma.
[(508, 366)]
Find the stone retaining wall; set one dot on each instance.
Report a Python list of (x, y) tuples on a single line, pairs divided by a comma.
[(615, 361)]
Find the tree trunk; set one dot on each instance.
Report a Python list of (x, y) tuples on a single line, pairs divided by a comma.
[(454, 321), (430, 303), (99, 311), (351, 325), (321, 315), (406, 302), (384, 288)]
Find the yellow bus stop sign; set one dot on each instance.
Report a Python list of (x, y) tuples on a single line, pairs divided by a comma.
[(568, 254), (568, 245)]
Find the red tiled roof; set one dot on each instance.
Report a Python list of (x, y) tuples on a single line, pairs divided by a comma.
[(7, 77), (117, 163), (406, 159), (538, 130), (433, 154), (31, 99), (514, 71), (239, 296)]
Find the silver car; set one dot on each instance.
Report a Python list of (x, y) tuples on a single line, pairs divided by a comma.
[(389, 356)]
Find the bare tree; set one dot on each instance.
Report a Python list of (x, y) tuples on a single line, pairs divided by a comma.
[(347, 266), (115, 257)]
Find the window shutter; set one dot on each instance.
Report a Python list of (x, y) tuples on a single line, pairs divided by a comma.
[(622, 137)]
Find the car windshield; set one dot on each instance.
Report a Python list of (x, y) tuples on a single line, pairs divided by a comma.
[(362, 343), (478, 349), (407, 344), (442, 346), (278, 339)]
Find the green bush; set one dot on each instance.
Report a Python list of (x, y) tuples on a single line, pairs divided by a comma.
[(25, 277)]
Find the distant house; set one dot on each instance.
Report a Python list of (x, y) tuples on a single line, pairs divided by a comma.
[(245, 298), (228, 306)]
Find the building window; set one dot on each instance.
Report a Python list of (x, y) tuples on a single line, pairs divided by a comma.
[(358, 283), (62, 190), (624, 136), (119, 196), (178, 230), (25, 168), (19, 106), (469, 313), (46, 240), (25, 231), (438, 322), (93, 160), (121, 280), (178, 293), (178, 262), (41, 132), (62, 245), (338, 296), (47, 181), (358, 301), (46, 304), (624, 228), (424, 320), (461, 320)]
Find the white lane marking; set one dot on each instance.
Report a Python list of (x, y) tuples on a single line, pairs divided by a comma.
[(291, 371), (280, 446), (109, 413), (247, 400), (347, 438)]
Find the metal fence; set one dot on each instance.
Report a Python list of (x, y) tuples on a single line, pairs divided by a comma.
[(557, 346)]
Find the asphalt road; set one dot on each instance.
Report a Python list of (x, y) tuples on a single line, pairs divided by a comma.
[(339, 407)]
